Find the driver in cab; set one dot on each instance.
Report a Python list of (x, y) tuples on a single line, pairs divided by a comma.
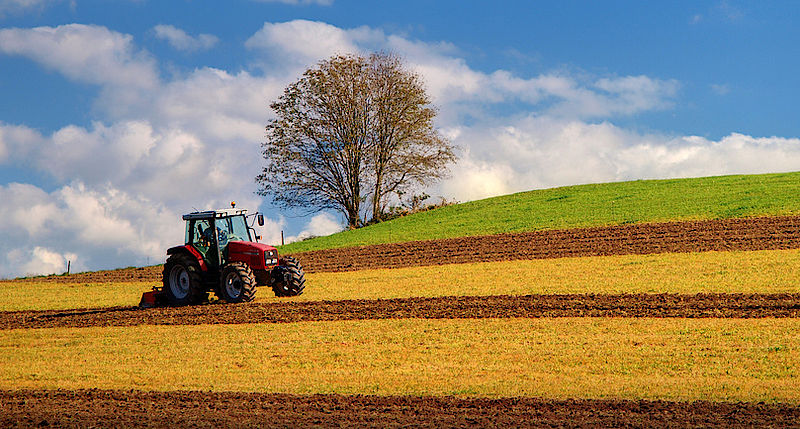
[(222, 236), (208, 236)]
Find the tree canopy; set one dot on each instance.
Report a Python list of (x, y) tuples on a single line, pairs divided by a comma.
[(351, 133)]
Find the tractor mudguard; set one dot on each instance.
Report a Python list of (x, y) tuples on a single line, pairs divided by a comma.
[(192, 251)]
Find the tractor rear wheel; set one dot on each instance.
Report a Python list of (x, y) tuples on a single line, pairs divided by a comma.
[(288, 277), (182, 282), (237, 283)]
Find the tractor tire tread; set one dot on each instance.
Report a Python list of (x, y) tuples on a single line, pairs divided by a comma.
[(196, 292), (248, 283), (298, 282)]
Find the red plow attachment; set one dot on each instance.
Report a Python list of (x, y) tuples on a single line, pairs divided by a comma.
[(153, 298)]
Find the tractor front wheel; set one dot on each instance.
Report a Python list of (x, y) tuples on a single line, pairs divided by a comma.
[(181, 279), (237, 283), (288, 278)]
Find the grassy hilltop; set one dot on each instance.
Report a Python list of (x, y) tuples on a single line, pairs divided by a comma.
[(584, 206)]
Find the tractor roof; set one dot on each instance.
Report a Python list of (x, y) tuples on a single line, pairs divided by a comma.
[(208, 214)]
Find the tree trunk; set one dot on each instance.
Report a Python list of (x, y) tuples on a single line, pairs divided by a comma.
[(376, 198), (352, 220)]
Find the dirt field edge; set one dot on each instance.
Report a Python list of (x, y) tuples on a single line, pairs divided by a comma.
[(760, 233), (718, 305), (109, 408)]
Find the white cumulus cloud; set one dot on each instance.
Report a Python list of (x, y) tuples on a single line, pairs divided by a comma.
[(320, 225), (88, 227), (540, 152), (300, 43), (40, 260), (85, 53), (182, 41), (453, 83)]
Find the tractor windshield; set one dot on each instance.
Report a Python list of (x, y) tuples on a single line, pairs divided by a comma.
[(232, 228)]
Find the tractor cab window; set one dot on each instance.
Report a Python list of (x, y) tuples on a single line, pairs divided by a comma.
[(202, 235), (232, 228), (239, 231)]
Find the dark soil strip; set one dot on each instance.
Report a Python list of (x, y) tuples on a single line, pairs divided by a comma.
[(100, 408), (763, 233), (501, 306)]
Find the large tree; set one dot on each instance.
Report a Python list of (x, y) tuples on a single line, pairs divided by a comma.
[(352, 129)]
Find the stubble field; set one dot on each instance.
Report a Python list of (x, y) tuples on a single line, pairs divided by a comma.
[(571, 338)]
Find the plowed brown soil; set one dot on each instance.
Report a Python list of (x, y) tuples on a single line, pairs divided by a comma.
[(102, 408), (501, 306), (721, 235)]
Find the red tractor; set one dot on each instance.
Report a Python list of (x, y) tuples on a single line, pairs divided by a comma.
[(220, 255)]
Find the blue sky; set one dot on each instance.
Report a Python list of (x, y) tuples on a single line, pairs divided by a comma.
[(118, 116)]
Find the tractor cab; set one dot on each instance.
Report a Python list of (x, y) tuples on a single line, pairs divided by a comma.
[(221, 254), (210, 232)]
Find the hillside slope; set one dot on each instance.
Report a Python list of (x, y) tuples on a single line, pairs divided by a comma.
[(583, 206)]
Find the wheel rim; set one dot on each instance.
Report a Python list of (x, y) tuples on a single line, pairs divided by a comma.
[(233, 285), (179, 282)]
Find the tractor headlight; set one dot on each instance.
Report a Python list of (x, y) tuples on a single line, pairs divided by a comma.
[(270, 258)]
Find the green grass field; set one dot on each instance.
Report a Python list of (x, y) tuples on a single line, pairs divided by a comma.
[(768, 271), (672, 359), (584, 206)]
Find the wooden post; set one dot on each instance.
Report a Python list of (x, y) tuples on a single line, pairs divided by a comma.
[(281, 237), (68, 265)]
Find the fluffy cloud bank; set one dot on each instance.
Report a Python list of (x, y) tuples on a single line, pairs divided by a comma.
[(63, 224), (161, 147), (84, 53), (540, 152), (453, 84)]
